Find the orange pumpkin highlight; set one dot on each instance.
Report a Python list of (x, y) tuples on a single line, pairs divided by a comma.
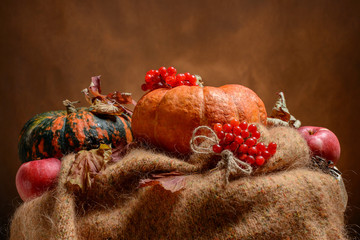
[(167, 117)]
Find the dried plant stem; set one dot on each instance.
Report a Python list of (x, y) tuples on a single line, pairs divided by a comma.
[(70, 107)]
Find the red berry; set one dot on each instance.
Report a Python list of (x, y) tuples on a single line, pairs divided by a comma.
[(235, 122), (242, 156), (234, 146), (256, 134), (217, 148), (250, 159), (239, 139), (272, 148), (252, 128), (171, 71), (266, 154), (156, 79), (220, 134), (227, 147), (192, 80), (165, 75), (243, 125), (245, 134), (149, 86), (217, 127), (148, 78), (243, 148), (272, 152), (260, 160), (187, 83), (162, 71), (272, 145), (250, 142), (260, 147), (151, 72), (158, 85), (237, 130), (144, 87), (171, 80), (227, 128), (229, 137), (222, 142), (252, 151), (180, 77), (187, 75)]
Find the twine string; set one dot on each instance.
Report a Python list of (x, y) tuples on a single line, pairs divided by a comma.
[(196, 146), (231, 165)]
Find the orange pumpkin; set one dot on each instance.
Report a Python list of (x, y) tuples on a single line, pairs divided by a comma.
[(167, 117)]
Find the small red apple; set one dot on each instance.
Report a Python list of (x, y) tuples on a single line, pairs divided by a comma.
[(322, 142), (35, 177)]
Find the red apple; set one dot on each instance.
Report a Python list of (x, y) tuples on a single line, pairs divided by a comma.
[(35, 177), (322, 142)]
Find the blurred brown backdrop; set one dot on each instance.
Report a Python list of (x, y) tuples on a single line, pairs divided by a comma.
[(308, 49)]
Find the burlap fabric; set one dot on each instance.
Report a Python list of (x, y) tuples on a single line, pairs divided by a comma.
[(287, 200)]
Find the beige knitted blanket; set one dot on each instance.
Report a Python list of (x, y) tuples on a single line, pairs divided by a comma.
[(283, 200)]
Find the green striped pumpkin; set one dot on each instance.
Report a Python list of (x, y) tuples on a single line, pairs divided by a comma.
[(56, 133)]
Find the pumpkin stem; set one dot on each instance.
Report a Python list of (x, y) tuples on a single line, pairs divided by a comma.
[(70, 108)]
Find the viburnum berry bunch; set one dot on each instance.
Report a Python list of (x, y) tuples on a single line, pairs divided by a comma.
[(167, 78), (241, 139)]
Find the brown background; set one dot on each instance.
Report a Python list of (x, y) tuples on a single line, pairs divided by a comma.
[(308, 49)]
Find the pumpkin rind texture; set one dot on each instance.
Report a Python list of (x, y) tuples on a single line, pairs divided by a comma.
[(56, 133), (167, 117)]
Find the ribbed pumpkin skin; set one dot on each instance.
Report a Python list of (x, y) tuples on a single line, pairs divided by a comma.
[(55, 133), (167, 117)]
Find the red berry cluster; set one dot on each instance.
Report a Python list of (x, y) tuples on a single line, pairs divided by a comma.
[(242, 140), (167, 78)]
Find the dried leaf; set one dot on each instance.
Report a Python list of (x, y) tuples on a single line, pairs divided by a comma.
[(87, 164), (280, 110), (169, 174), (87, 95), (120, 150), (280, 114), (107, 104), (124, 98), (94, 87), (173, 181), (101, 107)]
